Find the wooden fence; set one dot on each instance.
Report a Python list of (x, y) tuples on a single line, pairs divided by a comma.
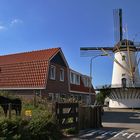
[(71, 115), (90, 117), (67, 114)]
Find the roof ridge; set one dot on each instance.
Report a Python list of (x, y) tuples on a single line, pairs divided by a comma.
[(19, 53), (45, 54)]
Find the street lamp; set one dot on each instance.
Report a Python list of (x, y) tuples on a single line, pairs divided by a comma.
[(91, 71)]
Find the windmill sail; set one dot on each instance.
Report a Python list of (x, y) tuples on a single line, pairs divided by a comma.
[(118, 33), (92, 51)]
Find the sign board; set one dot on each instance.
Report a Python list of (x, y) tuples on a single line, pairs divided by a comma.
[(28, 113)]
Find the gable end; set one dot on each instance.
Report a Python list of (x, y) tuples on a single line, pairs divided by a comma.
[(58, 59)]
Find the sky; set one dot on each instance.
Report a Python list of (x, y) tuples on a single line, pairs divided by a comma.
[(27, 25)]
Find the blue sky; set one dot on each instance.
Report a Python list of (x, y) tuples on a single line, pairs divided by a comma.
[(27, 25)]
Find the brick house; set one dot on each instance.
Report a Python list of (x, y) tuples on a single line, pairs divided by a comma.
[(80, 87), (45, 73)]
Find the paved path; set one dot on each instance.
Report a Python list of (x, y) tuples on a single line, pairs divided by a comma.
[(112, 134), (108, 134)]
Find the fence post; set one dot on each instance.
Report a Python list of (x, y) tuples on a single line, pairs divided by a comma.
[(35, 102), (100, 116), (10, 108), (56, 109), (76, 119)]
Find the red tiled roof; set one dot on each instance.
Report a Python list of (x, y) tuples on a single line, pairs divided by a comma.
[(28, 56), (25, 70)]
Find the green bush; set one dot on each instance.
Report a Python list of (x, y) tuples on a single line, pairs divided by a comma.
[(42, 126), (10, 129)]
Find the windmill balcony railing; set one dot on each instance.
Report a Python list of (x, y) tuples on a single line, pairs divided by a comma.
[(136, 85)]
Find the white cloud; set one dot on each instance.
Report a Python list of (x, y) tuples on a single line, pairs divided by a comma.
[(2, 28), (12, 23), (16, 21)]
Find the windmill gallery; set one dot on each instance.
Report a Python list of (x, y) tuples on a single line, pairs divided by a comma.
[(125, 86)]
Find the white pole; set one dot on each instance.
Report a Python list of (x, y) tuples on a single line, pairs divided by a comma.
[(91, 73)]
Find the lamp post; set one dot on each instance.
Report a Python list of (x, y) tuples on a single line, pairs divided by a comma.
[(91, 71)]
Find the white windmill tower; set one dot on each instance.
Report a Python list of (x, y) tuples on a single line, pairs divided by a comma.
[(125, 86), (125, 92)]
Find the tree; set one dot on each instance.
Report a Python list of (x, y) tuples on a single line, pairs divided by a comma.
[(104, 92)]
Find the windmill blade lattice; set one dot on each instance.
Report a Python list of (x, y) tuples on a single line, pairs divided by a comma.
[(92, 51)]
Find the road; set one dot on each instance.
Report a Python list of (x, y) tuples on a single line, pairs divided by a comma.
[(118, 124), (124, 118)]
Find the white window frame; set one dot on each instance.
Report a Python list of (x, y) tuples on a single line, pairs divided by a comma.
[(62, 76), (86, 81), (77, 81), (52, 76), (74, 80), (71, 79)]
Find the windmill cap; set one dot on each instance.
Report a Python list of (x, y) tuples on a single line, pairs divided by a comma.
[(123, 46)]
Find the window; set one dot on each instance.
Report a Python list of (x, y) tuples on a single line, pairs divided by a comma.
[(77, 79), (123, 58), (52, 72), (86, 81), (123, 74), (124, 82), (50, 96), (74, 78), (61, 74)]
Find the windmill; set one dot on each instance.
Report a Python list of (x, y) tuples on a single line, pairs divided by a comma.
[(125, 86)]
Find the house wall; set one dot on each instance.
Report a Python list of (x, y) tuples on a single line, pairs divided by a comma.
[(57, 86), (22, 92)]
